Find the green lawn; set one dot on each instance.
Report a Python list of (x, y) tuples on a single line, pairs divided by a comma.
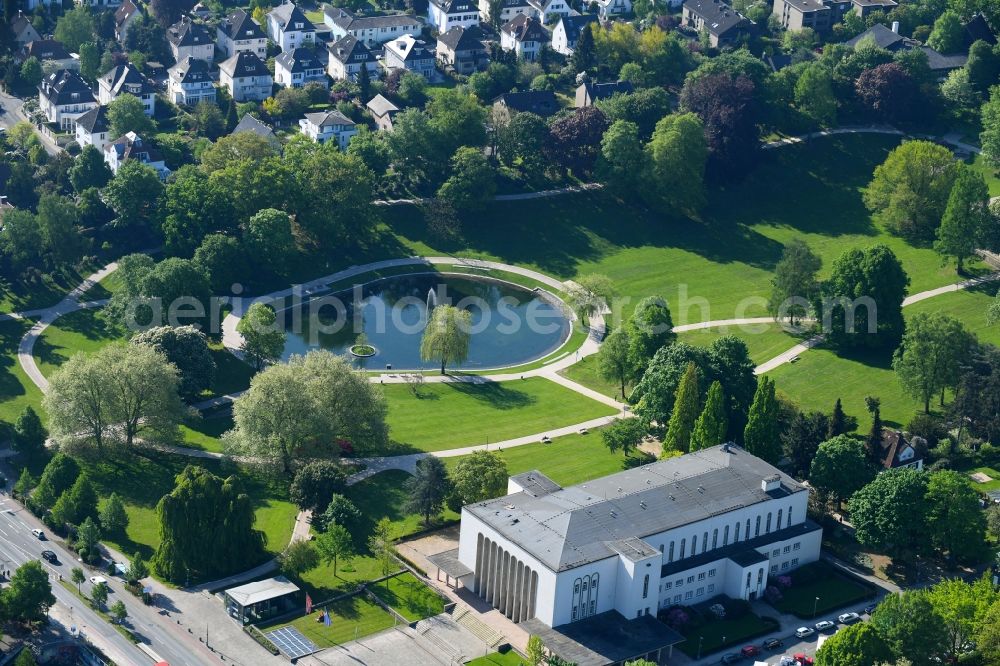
[(409, 596), (16, 297), (78, 332), (204, 432), (16, 390), (585, 372), (351, 618), (566, 460), (989, 173), (764, 341), (833, 589), (510, 658), (711, 635), (447, 416), (988, 486), (968, 306)]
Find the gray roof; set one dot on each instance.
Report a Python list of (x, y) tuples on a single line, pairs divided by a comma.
[(244, 64), (463, 39), (409, 49), (345, 20), (300, 59), (127, 77), (380, 105), (250, 124), (596, 91), (573, 25), (542, 102), (131, 146), (719, 17), (21, 24), (535, 483), (45, 49), (188, 33), (883, 37), (65, 86), (126, 11), (192, 70), (456, 6), (262, 590), (290, 13), (526, 28), (239, 25), (572, 527), (940, 61), (94, 121), (808, 6), (328, 118), (607, 638), (349, 49)]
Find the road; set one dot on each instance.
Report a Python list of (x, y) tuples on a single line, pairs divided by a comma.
[(151, 624), (11, 115)]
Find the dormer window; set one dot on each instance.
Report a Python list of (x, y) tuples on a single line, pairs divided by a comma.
[(299, 26)]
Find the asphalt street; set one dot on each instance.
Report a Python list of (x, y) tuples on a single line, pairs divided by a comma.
[(10, 115)]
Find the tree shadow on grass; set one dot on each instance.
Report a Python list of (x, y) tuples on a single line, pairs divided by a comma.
[(497, 395), (11, 333)]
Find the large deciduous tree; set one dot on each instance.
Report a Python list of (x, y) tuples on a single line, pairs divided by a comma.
[(890, 512), (856, 645), (126, 114), (29, 595), (650, 327), (624, 435), (574, 142), (263, 338), (929, 360), (614, 360), (910, 625), (677, 154), (269, 241), (478, 477), (315, 483), (794, 284), (134, 195), (446, 336), (89, 170), (888, 91), (187, 348), (727, 106), (967, 218), (841, 467), (472, 182), (955, 521)]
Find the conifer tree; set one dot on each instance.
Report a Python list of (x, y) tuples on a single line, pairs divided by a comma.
[(838, 421), (710, 428), (761, 436), (685, 413)]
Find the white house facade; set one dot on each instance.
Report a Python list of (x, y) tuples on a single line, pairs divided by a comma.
[(508, 10), (189, 82), (289, 28), (63, 97), (126, 79), (567, 32), (246, 77), (238, 32), (371, 30), (346, 57), (412, 55), (329, 126), (299, 67), (525, 36), (92, 128), (132, 147), (444, 15), (190, 39), (674, 532), (610, 8)]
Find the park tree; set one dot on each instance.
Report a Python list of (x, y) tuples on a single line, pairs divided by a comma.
[(29, 595), (26, 482), (948, 33), (263, 339), (115, 395), (223, 260), (650, 328), (118, 612), (622, 160), (25, 658), (989, 137), (371, 148), (857, 645), (75, 27), (762, 430), (334, 194), (303, 409), (472, 182), (959, 92), (268, 239), (710, 428), (590, 295), (685, 412), (910, 625), (78, 577), (113, 518), (860, 305), (298, 557), (644, 107), (476, 478), (522, 141), (21, 240), (967, 217), (987, 634), (194, 206), (134, 195), (126, 114), (30, 435), (206, 527), (873, 442), (89, 170), (930, 356), (381, 544), (887, 91), (58, 222), (727, 107), (983, 66), (31, 71), (614, 360), (88, 536), (814, 94), (339, 511), (315, 483), (187, 348), (58, 476), (909, 191), (841, 467), (428, 488), (794, 284), (457, 118), (624, 435), (801, 439), (890, 513), (574, 141), (446, 336), (233, 147), (99, 596), (839, 421), (83, 500), (955, 521), (961, 607), (677, 154), (335, 544), (536, 649)]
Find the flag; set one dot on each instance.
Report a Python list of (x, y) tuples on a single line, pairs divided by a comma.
[(309, 604), (326, 618)]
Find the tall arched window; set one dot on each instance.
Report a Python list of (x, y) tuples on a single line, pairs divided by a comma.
[(670, 553), (683, 546), (767, 528), (645, 586), (756, 531), (736, 538), (789, 516), (594, 589), (725, 536), (778, 524), (715, 538)]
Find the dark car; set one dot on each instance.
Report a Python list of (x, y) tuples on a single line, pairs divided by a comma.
[(869, 609), (49, 556), (731, 658), (750, 651), (773, 644)]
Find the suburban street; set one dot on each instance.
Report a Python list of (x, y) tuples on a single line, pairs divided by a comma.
[(11, 115)]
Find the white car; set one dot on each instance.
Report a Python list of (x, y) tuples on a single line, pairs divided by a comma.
[(98, 580), (848, 618), (823, 625), (804, 632), (40, 535)]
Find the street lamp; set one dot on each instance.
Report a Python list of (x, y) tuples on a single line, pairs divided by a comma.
[(700, 639), (815, 604)]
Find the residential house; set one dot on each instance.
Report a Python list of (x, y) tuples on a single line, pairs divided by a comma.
[(587, 93), (890, 40), (462, 49), (92, 128), (568, 30), (188, 39), (63, 97), (23, 31), (370, 30), (443, 15), (289, 28), (539, 102), (238, 32), (882, 37), (724, 25), (98, 4), (865, 7), (978, 29), (189, 82), (509, 10), (132, 147), (126, 79), (899, 451), (125, 16), (798, 14), (50, 53), (346, 57), (298, 67), (250, 124), (594, 563), (383, 111), (607, 9), (246, 77), (525, 36), (410, 54), (329, 126), (548, 11)]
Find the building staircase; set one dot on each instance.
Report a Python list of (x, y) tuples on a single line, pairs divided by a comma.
[(466, 617)]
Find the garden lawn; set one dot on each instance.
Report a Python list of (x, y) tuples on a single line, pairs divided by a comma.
[(16, 390), (510, 658), (968, 306), (409, 596), (452, 415), (78, 332), (979, 164), (585, 372), (763, 344), (351, 618), (735, 632), (566, 460), (821, 376), (17, 297), (204, 433), (834, 591), (988, 486)]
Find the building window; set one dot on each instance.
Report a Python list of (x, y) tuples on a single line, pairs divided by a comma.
[(688, 594), (795, 561), (690, 579), (711, 588), (701, 592), (767, 527), (784, 566), (789, 516), (645, 586), (704, 542), (747, 534), (715, 538), (756, 531), (774, 568), (683, 544), (736, 538), (670, 553), (701, 576), (661, 549), (677, 598), (775, 552), (694, 545), (778, 524), (725, 535), (786, 549), (680, 581), (668, 585), (795, 546), (711, 573), (760, 576)]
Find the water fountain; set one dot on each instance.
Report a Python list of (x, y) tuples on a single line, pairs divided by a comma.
[(432, 300)]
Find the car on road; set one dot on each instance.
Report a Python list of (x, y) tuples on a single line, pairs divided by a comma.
[(49, 556), (773, 644), (848, 618), (804, 632), (40, 535), (868, 610), (730, 658), (825, 625), (98, 580), (802, 660), (750, 651)]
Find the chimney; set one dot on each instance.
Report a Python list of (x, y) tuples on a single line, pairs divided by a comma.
[(769, 483), (895, 27)]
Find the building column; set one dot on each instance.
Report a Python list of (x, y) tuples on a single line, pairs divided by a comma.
[(518, 597)]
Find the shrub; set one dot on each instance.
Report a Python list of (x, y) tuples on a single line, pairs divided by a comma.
[(677, 618), (736, 608), (261, 639), (783, 582), (718, 610), (772, 594)]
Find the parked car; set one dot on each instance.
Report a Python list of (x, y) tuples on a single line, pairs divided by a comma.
[(802, 660), (848, 618), (750, 651), (730, 658), (804, 632), (869, 609), (49, 556), (825, 625), (787, 661), (773, 644), (98, 580), (40, 535)]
